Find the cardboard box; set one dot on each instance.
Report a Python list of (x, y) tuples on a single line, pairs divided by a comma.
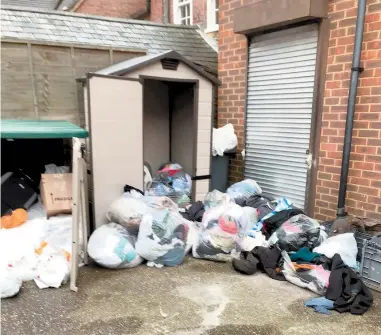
[(57, 193)]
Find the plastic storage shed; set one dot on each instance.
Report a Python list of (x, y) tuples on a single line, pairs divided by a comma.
[(150, 109)]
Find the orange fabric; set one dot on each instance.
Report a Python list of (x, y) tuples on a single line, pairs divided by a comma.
[(17, 218), (303, 266), (41, 248)]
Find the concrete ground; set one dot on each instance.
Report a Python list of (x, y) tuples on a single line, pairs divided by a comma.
[(197, 298)]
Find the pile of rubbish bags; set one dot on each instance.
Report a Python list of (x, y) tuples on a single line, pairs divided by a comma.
[(253, 230)]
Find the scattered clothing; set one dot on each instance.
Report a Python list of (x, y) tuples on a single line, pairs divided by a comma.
[(321, 305), (194, 212), (303, 266), (260, 258), (347, 290), (305, 255), (271, 224)]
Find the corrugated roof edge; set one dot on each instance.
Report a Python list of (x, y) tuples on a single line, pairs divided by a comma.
[(96, 17)]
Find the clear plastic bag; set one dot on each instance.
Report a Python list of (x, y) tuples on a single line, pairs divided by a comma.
[(310, 276), (223, 229), (128, 211), (160, 203), (215, 198), (242, 190), (111, 246), (297, 232), (162, 237)]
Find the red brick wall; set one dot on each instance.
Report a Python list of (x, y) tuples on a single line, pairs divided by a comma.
[(157, 11), (364, 189), (199, 12), (113, 8)]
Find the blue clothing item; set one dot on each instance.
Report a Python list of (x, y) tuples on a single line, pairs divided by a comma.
[(321, 305), (304, 254)]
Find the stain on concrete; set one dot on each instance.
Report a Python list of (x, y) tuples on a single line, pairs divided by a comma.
[(244, 330), (196, 298), (129, 325)]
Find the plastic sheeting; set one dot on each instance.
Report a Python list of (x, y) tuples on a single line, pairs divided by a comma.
[(344, 244), (222, 231), (113, 247)]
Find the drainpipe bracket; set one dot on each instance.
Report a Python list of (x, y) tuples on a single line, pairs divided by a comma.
[(341, 212), (358, 69)]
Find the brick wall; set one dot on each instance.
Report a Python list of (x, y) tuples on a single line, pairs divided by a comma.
[(199, 12), (364, 189), (232, 59), (114, 8)]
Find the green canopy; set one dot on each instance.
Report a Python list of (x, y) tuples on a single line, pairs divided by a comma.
[(40, 129)]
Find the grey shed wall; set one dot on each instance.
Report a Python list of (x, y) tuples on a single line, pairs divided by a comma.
[(39, 81)]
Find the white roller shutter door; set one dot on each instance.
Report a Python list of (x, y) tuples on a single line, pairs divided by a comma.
[(279, 110)]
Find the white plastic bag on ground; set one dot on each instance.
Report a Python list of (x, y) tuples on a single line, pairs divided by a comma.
[(128, 211), (344, 244), (113, 247), (223, 229), (224, 139), (241, 191), (9, 285), (162, 237)]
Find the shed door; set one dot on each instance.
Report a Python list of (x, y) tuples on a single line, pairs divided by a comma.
[(279, 110), (116, 132)]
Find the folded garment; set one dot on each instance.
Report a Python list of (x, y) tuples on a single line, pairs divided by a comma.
[(321, 305), (304, 254), (260, 258), (347, 290)]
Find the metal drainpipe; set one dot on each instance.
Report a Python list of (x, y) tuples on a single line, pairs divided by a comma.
[(351, 106)]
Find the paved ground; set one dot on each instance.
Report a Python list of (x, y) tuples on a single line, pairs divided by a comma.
[(197, 298)]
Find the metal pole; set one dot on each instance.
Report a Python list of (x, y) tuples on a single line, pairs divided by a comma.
[(351, 106)]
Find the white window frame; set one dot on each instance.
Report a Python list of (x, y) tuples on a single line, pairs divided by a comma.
[(211, 25), (177, 11)]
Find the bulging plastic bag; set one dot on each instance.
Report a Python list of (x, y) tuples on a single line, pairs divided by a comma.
[(224, 139), (344, 244), (162, 237), (160, 203), (128, 211), (252, 217), (242, 190), (310, 276), (215, 198), (222, 231), (171, 181), (9, 285), (297, 232), (113, 247)]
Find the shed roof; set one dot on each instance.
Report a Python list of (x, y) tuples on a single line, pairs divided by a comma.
[(139, 62), (40, 129), (88, 30)]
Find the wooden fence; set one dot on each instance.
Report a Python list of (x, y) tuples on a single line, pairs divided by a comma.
[(38, 81)]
